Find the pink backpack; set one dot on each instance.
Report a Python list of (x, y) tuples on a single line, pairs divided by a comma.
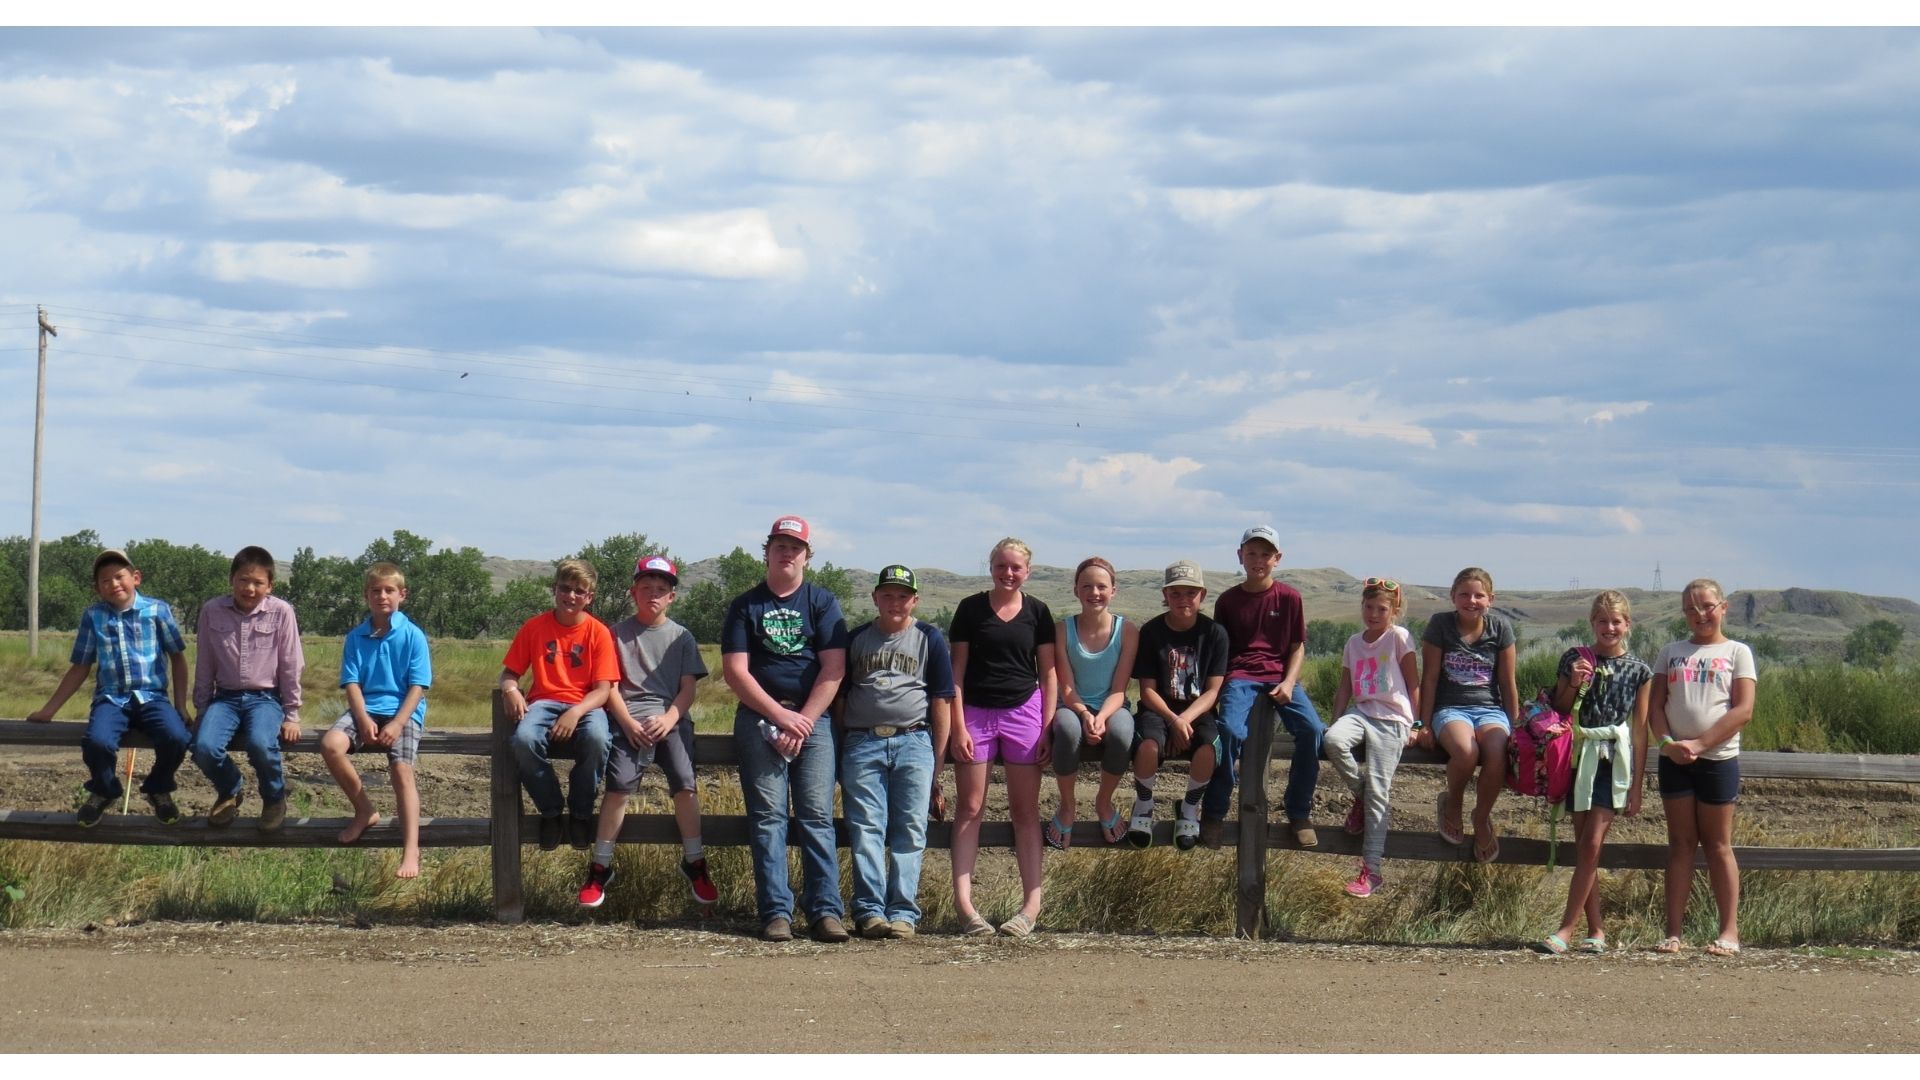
[(1540, 753)]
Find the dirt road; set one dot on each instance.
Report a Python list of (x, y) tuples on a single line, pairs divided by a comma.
[(245, 988)]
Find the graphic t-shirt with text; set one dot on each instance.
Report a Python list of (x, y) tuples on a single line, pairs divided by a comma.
[(784, 636)]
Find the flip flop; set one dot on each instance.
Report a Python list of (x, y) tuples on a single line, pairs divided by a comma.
[(1456, 837), (1058, 836), (1114, 829), (1595, 945), (1670, 945), (1555, 945), (1723, 947), (1491, 856)]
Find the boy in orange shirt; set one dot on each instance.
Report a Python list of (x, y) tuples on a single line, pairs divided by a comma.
[(574, 667)]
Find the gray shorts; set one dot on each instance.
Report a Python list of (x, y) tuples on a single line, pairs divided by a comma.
[(674, 755), (407, 750)]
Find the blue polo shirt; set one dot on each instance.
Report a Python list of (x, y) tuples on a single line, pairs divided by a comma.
[(385, 666)]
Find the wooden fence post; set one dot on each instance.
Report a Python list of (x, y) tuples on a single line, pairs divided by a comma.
[(509, 901), (1250, 918)]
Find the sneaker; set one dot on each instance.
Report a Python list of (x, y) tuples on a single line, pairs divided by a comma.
[(1364, 885), (1357, 817), (594, 892), (89, 813), (698, 882), (901, 928), (273, 815), (1303, 833), (828, 928), (1212, 834), (580, 832), (164, 811), (875, 928), (552, 831), (225, 809), (777, 929)]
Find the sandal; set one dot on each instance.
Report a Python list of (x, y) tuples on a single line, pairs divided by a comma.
[(1058, 836), (977, 926), (1114, 829), (1594, 945), (1456, 837), (1491, 856), (1140, 827), (1670, 945), (1017, 927), (1723, 947), (1555, 945), (1186, 832)]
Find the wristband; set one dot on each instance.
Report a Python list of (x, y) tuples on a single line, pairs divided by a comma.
[(1665, 739)]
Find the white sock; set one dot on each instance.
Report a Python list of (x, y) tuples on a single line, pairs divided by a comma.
[(603, 852), (691, 850)]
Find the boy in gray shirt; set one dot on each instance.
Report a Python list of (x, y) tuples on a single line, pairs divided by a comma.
[(659, 664), (895, 704)]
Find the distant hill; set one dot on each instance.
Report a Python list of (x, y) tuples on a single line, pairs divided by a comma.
[(1805, 620)]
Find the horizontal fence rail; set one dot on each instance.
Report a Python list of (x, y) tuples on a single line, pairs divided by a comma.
[(508, 827)]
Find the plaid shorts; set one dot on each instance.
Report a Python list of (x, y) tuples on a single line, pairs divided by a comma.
[(406, 750)]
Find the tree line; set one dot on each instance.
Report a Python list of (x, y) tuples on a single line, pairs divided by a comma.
[(449, 592)]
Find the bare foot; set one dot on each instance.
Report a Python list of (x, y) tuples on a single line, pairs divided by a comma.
[(409, 865), (362, 821)]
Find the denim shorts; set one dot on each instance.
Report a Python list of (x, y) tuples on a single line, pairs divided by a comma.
[(1478, 715), (1711, 783)]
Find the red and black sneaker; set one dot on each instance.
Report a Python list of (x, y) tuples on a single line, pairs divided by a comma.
[(594, 892), (695, 871)]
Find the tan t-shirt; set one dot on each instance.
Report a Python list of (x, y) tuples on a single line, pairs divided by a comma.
[(1700, 688)]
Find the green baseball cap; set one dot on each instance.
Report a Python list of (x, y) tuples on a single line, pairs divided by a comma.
[(898, 575)]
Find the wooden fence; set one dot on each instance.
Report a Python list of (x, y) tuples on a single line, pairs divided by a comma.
[(507, 827)]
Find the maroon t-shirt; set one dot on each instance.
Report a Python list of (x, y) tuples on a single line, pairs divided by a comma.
[(1262, 629)]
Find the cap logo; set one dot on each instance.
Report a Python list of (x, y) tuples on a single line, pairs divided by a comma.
[(787, 525)]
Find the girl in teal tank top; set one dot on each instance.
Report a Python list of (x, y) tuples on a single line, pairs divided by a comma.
[(1095, 667)]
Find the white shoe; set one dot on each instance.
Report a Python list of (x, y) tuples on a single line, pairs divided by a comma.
[(1140, 826)]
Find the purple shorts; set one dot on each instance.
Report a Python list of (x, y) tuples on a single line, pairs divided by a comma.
[(1010, 736)]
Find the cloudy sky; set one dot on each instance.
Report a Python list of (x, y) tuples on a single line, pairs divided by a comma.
[(1565, 304)]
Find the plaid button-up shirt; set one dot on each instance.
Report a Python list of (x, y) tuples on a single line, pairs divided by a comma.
[(131, 647)]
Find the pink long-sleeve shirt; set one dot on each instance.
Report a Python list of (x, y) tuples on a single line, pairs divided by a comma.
[(248, 650)]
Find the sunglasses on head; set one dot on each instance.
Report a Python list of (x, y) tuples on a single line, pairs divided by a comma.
[(1388, 584)]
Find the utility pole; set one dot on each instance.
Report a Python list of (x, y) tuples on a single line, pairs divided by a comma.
[(39, 438)]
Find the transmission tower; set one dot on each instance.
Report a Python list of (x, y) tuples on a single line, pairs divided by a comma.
[(1656, 577)]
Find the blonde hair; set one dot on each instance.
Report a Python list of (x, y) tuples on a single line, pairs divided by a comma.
[(1703, 584), (1612, 600), (1471, 573), (1392, 595), (384, 571), (1011, 544), (575, 572), (1088, 564)]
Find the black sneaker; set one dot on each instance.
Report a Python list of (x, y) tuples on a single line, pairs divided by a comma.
[(580, 832), (164, 811), (552, 831), (89, 813)]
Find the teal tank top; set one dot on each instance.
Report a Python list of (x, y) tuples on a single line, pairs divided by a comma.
[(1093, 672)]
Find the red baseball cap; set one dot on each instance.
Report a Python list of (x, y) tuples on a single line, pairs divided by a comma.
[(791, 525), (656, 564)]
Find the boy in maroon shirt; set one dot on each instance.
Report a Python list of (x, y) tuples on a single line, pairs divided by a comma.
[(1267, 633)]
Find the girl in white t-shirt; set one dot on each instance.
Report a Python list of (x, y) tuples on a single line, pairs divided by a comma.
[(1376, 705), (1702, 696)]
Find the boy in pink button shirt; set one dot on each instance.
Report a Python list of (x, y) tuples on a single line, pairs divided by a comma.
[(246, 679)]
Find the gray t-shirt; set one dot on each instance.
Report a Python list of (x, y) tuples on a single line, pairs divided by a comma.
[(891, 676), (1467, 671), (652, 661)]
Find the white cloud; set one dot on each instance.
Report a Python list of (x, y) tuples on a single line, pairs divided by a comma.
[(316, 266), (1359, 414), (732, 244), (1134, 479)]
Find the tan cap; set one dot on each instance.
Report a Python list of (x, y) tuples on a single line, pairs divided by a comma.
[(1184, 573)]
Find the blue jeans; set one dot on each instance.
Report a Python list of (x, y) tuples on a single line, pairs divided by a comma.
[(590, 740), (256, 715), (767, 780), (884, 785), (107, 724), (1300, 721)]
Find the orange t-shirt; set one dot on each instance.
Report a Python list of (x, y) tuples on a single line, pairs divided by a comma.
[(565, 660)]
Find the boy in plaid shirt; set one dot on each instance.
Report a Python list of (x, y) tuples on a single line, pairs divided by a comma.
[(126, 635)]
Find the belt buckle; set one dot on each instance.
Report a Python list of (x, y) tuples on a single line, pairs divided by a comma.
[(885, 731)]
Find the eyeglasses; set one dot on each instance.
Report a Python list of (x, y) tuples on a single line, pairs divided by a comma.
[(571, 590), (1388, 584)]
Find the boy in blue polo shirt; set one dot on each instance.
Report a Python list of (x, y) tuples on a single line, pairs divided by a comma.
[(126, 634)]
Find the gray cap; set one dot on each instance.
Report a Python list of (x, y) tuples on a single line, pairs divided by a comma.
[(1184, 573), (1261, 532)]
